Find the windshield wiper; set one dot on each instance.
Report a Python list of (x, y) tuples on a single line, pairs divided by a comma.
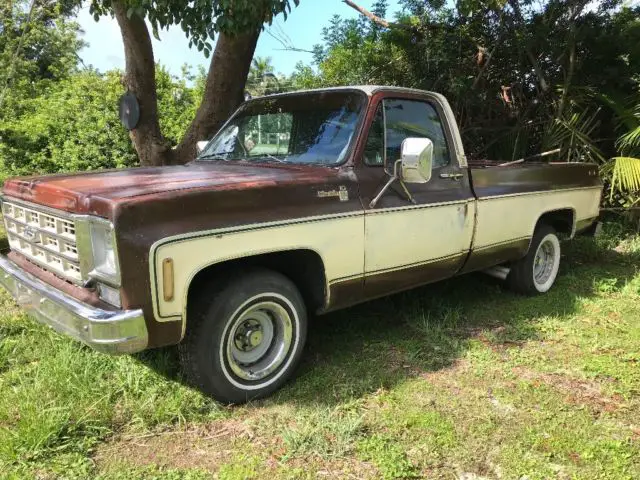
[(272, 157), (214, 156)]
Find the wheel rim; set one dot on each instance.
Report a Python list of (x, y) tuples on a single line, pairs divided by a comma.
[(259, 340), (544, 262)]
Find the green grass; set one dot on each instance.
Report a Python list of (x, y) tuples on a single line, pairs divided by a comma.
[(456, 379)]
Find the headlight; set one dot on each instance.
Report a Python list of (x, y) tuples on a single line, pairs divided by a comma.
[(97, 251), (104, 264)]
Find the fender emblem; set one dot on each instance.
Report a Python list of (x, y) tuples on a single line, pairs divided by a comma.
[(342, 193)]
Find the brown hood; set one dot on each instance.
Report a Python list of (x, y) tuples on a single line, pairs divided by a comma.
[(100, 192)]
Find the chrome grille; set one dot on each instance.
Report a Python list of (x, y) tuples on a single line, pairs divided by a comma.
[(46, 238)]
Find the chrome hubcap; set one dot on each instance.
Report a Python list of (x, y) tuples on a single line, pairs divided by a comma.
[(259, 341), (544, 262)]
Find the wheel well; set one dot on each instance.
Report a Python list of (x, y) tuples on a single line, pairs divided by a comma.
[(303, 267), (561, 220)]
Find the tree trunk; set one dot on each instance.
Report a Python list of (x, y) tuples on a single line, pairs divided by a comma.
[(223, 92), (224, 89), (151, 146)]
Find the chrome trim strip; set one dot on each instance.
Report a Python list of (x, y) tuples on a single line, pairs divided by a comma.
[(108, 331), (505, 242), (421, 206), (539, 192), (398, 268)]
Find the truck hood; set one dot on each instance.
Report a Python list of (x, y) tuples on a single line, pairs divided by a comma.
[(99, 192)]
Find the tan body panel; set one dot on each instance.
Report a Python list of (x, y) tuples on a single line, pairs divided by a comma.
[(337, 239), (396, 238), (356, 245), (512, 217)]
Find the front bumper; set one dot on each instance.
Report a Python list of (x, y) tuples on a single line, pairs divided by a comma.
[(118, 331)]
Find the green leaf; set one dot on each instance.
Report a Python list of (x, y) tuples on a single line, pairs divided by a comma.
[(625, 174)]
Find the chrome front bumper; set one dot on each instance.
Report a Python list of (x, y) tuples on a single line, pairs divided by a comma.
[(119, 331)]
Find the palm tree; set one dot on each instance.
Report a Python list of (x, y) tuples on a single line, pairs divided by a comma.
[(262, 79), (625, 169), (573, 134)]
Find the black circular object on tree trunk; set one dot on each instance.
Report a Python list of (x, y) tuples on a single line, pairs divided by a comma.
[(129, 110)]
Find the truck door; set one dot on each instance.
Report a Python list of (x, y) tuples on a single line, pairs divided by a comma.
[(409, 244)]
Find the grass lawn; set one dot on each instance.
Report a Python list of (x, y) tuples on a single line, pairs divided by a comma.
[(461, 379)]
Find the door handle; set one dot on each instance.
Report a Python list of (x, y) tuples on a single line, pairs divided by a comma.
[(452, 176)]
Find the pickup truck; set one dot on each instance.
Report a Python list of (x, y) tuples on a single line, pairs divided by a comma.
[(301, 204)]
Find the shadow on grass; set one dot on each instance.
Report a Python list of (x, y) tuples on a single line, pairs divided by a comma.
[(381, 343)]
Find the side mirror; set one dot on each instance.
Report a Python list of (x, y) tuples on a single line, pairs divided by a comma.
[(200, 145), (416, 160)]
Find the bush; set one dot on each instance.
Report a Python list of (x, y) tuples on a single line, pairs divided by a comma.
[(73, 124)]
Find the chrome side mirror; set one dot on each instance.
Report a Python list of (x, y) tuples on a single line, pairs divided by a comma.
[(416, 160), (414, 166)]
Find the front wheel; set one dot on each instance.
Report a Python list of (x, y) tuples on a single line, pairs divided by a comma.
[(246, 336), (537, 271)]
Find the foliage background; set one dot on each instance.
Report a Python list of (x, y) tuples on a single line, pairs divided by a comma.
[(522, 76)]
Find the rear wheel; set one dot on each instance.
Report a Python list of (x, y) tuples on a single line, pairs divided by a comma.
[(245, 337), (537, 271)]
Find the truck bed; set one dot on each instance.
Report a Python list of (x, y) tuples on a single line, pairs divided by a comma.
[(488, 179)]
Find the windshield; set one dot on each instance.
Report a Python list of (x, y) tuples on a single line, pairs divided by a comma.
[(308, 128)]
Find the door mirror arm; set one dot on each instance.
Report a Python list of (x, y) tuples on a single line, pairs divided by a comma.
[(414, 166), (396, 175)]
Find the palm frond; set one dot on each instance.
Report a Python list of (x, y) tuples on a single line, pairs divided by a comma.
[(625, 174), (630, 140), (572, 133)]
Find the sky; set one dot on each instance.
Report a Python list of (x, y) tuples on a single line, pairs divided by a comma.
[(303, 27)]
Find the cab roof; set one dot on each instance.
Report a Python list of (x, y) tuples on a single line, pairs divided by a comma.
[(369, 90)]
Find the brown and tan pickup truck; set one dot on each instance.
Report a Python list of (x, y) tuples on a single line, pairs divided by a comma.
[(303, 203)]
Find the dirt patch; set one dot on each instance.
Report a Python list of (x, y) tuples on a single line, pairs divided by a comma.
[(576, 391), (397, 361), (337, 467), (457, 367), (205, 447), (209, 447)]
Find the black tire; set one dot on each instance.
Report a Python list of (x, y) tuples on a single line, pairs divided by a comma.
[(522, 276), (217, 335)]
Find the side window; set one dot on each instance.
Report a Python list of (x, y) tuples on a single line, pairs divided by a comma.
[(411, 118), (374, 148)]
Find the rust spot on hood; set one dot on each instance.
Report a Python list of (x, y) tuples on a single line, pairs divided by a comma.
[(99, 193)]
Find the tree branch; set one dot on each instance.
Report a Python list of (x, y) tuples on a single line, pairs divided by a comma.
[(223, 91), (544, 85), (375, 19), (287, 46)]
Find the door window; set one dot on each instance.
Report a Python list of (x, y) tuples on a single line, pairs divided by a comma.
[(402, 119)]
